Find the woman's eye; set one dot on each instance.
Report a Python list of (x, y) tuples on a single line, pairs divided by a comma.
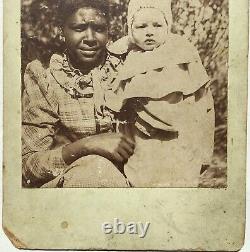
[(78, 29), (100, 28)]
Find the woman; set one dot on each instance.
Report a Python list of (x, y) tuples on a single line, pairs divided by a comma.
[(67, 138)]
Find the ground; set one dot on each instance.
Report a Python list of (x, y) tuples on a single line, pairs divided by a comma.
[(216, 174)]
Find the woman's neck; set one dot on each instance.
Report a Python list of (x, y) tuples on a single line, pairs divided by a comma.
[(85, 68)]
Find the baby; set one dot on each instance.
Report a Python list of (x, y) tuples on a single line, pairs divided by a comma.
[(162, 99)]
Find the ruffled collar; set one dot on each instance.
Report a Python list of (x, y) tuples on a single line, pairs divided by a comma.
[(175, 51), (81, 85), (91, 85)]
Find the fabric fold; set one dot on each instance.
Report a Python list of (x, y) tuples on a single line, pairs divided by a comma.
[(159, 73)]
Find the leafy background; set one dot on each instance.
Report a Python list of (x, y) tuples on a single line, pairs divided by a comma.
[(203, 22)]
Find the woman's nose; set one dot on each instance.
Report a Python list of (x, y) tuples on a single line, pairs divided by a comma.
[(90, 34), (89, 37)]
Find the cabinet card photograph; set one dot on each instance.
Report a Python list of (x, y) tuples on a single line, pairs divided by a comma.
[(125, 124), (124, 93)]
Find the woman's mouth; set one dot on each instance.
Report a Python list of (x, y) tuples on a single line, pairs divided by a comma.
[(91, 52)]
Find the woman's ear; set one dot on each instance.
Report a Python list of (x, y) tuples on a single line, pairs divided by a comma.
[(110, 42), (61, 35)]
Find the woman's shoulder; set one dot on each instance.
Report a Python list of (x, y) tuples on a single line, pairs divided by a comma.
[(39, 74), (36, 67)]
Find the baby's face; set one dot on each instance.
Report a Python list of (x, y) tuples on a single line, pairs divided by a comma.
[(149, 29)]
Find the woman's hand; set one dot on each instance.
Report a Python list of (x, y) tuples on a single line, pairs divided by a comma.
[(115, 147)]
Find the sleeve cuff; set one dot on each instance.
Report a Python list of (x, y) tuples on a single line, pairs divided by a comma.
[(57, 162)]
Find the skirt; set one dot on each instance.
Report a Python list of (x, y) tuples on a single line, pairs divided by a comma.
[(90, 171)]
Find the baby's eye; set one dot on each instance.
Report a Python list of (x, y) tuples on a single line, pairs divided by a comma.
[(140, 26), (157, 25)]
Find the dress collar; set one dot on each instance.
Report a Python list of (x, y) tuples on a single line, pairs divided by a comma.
[(77, 84)]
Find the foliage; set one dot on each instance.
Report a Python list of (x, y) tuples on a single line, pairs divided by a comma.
[(203, 22)]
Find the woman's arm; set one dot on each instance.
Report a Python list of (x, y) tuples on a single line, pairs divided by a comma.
[(41, 161), (115, 147)]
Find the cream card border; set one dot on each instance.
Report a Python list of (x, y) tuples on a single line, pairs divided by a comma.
[(197, 219)]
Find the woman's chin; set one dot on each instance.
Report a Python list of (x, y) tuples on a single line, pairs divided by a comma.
[(89, 61)]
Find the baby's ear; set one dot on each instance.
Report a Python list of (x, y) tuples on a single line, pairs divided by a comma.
[(119, 47)]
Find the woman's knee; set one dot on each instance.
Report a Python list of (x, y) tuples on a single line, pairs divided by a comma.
[(94, 171)]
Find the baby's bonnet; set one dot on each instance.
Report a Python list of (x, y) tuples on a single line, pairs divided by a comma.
[(135, 6)]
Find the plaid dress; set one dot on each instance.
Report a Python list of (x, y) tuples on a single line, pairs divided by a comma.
[(59, 106)]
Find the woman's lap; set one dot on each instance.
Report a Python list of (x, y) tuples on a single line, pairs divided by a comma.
[(90, 171)]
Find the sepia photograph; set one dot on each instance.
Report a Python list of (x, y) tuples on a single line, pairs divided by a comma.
[(124, 94)]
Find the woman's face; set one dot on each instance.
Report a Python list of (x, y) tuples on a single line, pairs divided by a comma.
[(86, 36), (149, 29)]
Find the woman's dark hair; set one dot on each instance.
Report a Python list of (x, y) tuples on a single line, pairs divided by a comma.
[(68, 7)]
